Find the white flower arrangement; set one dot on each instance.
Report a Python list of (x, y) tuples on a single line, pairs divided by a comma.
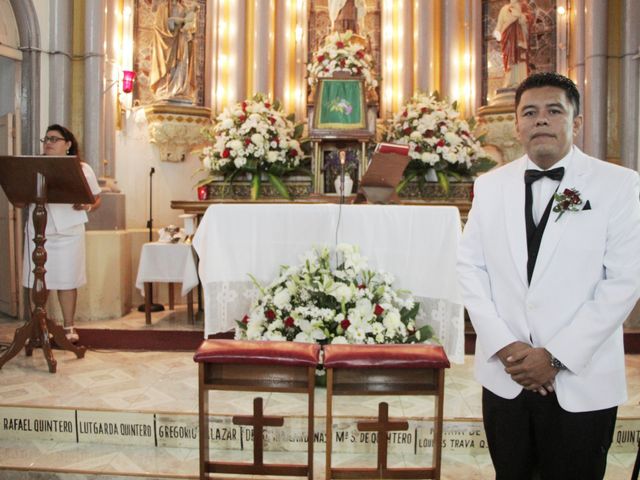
[(437, 138), (253, 137), (340, 54), (313, 302)]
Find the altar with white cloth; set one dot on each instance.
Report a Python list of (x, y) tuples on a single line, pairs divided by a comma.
[(417, 244)]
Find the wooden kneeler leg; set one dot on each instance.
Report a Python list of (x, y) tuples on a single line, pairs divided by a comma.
[(437, 425), (311, 385), (203, 421), (329, 428)]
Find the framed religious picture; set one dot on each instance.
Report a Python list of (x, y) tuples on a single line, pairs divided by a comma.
[(340, 108)]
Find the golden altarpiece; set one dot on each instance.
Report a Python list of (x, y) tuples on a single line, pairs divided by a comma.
[(176, 44), (354, 134)]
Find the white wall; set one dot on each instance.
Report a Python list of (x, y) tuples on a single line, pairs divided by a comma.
[(135, 156)]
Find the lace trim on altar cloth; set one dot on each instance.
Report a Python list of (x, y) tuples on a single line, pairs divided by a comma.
[(227, 302)]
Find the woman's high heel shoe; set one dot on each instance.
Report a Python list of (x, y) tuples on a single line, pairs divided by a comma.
[(71, 334)]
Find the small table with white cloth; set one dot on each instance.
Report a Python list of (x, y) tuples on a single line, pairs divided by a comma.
[(167, 263), (417, 244)]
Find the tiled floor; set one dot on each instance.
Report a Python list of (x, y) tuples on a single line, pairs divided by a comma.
[(167, 382)]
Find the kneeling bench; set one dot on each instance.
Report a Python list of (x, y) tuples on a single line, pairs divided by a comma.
[(414, 369), (240, 365)]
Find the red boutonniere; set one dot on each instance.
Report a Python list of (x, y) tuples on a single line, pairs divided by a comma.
[(569, 200)]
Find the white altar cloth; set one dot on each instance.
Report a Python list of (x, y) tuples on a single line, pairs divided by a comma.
[(167, 263), (417, 244)]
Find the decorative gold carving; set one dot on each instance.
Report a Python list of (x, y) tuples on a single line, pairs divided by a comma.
[(431, 193), (176, 129), (241, 189), (459, 192)]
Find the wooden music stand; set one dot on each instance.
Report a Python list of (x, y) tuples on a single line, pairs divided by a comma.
[(41, 180), (378, 185)]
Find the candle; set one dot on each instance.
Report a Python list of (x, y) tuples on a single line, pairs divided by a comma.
[(189, 223)]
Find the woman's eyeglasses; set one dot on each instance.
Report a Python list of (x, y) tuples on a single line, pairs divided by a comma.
[(51, 139)]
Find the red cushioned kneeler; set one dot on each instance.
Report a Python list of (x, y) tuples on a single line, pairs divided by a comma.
[(254, 366), (385, 370)]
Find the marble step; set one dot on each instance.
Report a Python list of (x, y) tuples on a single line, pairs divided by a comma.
[(50, 460)]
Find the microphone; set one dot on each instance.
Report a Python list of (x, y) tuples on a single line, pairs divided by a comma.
[(343, 158), (150, 220), (155, 307)]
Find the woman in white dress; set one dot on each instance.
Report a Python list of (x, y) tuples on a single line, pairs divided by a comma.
[(65, 234)]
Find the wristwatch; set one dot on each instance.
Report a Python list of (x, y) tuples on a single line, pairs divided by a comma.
[(555, 363)]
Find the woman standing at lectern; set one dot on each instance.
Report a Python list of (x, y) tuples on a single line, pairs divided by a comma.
[(64, 233)]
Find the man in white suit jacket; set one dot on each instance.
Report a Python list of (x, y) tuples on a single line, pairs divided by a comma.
[(549, 265)]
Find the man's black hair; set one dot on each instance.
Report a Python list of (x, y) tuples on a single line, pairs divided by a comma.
[(551, 79)]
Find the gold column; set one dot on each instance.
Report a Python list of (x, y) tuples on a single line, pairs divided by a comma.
[(424, 38), (387, 67), (77, 75), (273, 9), (290, 83), (250, 87)]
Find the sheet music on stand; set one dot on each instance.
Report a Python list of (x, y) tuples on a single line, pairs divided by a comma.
[(384, 174)]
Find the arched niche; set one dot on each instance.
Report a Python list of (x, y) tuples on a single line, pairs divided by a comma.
[(9, 38), (10, 58)]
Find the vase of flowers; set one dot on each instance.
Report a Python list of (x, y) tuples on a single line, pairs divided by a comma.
[(345, 53), (333, 302), (439, 141), (253, 140)]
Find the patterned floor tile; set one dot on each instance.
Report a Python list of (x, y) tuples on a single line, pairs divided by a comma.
[(19, 392)]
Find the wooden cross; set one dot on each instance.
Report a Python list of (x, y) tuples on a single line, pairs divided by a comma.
[(258, 421), (382, 426)]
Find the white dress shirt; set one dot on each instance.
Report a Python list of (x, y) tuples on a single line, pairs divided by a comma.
[(544, 188)]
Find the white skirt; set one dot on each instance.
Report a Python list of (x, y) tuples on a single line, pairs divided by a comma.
[(65, 264)]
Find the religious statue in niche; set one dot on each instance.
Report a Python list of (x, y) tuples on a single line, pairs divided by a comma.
[(169, 60), (513, 28), (153, 40), (519, 39), (347, 44), (352, 15), (332, 17), (172, 76)]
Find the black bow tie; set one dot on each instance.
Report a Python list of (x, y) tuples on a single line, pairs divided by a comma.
[(531, 176)]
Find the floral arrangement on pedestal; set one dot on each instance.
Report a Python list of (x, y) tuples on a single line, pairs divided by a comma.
[(318, 303), (257, 139), (342, 53), (441, 143)]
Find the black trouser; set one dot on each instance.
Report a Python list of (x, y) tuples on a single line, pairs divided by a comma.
[(532, 437)]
